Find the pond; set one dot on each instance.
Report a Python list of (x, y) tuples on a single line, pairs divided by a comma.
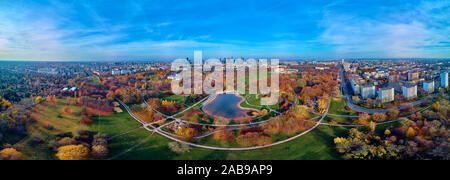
[(226, 106)]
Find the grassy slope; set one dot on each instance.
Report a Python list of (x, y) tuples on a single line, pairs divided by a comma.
[(51, 114), (317, 144)]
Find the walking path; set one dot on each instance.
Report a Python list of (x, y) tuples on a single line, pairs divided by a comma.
[(159, 131)]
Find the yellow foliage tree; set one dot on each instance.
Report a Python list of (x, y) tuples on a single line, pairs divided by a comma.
[(73, 152), (387, 132), (264, 112), (436, 106), (5, 104), (410, 132), (372, 126), (10, 154), (38, 99)]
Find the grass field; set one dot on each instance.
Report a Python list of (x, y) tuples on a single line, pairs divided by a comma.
[(317, 144), (337, 106), (51, 121)]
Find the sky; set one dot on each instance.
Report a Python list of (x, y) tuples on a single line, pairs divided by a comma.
[(168, 29)]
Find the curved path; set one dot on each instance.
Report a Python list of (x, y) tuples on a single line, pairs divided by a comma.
[(159, 131)]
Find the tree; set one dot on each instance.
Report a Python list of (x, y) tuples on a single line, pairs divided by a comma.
[(369, 102), (436, 106), (322, 105), (38, 99), (410, 132), (359, 145), (10, 154), (387, 132), (73, 152), (393, 114), (356, 99), (364, 119), (179, 147), (99, 151), (372, 126), (5, 104), (379, 117), (264, 112)]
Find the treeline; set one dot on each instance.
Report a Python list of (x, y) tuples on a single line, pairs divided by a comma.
[(424, 135)]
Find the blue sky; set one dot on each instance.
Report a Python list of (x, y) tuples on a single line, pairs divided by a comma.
[(167, 29)]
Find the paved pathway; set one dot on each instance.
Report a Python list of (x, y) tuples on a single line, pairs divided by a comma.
[(157, 130)]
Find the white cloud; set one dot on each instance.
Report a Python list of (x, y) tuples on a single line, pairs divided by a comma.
[(413, 36)]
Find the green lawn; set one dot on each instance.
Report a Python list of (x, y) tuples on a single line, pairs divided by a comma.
[(337, 106), (317, 144), (51, 115)]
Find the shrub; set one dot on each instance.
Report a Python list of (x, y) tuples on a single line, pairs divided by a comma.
[(179, 147), (99, 151)]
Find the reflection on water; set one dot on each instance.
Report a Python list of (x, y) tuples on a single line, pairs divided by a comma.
[(226, 105)]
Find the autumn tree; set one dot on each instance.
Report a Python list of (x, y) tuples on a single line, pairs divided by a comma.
[(359, 145), (379, 117), (393, 114), (5, 104), (372, 126), (369, 102), (223, 134), (179, 147), (387, 132), (364, 119), (436, 106), (73, 152), (264, 112), (99, 151), (10, 154), (38, 99), (410, 132), (322, 105)]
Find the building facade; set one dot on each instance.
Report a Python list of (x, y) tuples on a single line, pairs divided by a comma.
[(428, 87), (386, 94), (355, 87), (444, 79), (368, 91), (410, 91)]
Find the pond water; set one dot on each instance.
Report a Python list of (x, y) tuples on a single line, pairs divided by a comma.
[(227, 106)]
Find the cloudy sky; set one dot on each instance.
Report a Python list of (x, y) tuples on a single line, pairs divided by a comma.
[(167, 29)]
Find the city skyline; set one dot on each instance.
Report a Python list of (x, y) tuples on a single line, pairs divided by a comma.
[(138, 30)]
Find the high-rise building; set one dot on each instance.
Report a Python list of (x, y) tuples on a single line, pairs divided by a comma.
[(368, 91), (386, 94), (428, 86), (409, 91), (355, 86), (444, 79)]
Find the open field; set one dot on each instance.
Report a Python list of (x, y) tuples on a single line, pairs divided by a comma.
[(337, 106), (52, 121), (315, 145)]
